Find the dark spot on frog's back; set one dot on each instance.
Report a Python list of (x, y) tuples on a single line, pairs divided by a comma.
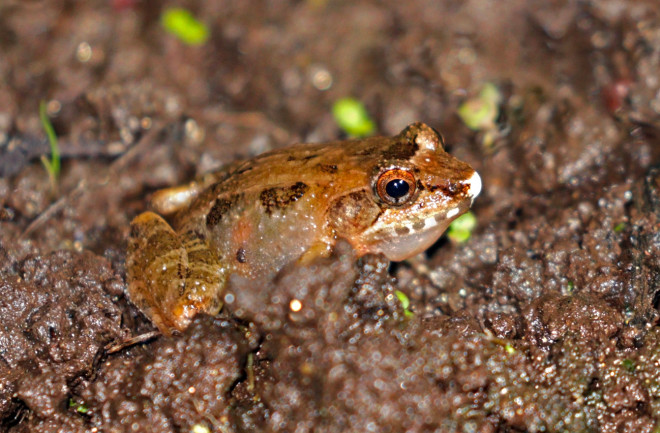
[(244, 170), (220, 208), (301, 158), (402, 150), (280, 197), (328, 168)]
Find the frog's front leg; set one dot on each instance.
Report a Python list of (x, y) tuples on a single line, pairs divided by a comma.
[(167, 201), (172, 277)]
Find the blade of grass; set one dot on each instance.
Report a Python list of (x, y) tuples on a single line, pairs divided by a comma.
[(52, 166)]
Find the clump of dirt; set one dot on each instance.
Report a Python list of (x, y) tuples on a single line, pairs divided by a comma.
[(175, 384), (545, 319), (59, 311)]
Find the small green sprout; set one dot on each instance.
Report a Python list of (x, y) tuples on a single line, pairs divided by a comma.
[(352, 117), (53, 165), (182, 24), (570, 286), (199, 428), (79, 407), (403, 298), (629, 365), (508, 347), (461, 229), (481, 112), (405, 303), (620, 227)]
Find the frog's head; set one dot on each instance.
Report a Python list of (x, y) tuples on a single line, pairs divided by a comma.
[(417, 190)]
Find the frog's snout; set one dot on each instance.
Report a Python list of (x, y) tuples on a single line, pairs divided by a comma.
[(474, 186)]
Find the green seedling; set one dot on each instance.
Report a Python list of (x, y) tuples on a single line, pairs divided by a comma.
[(505, 344), (620, 227), (405, 303), (461, 229), (480, 113), (53, 165), (570, 287), (79, 407), (629, 365), (352, 117), (508, 347), (182, 24)]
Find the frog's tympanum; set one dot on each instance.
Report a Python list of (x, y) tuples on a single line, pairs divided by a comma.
[(389, 195)]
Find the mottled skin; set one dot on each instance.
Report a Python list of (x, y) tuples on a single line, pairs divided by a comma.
[(245, 222)]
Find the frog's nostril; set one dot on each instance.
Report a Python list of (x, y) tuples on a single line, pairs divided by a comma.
[(475, 185)]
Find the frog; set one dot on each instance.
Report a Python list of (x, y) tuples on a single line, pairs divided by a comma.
[(243, 223)]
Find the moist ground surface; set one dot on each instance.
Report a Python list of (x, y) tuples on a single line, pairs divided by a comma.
[(545, 319)]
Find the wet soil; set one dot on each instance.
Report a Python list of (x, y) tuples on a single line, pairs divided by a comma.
[(546, 319)]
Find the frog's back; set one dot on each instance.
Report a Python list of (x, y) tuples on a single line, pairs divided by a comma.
[(272, 209), (320, 163)]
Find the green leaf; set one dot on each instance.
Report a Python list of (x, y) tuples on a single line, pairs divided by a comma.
[(182, 24), (620, 227), (481, 112), (352, 117), (629, 365), (405, 303), (79, 407), (461, 228)]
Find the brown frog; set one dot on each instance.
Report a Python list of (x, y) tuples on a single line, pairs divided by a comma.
[(389, 195)]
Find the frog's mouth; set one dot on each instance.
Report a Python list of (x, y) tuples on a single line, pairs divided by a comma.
[(406, 240), (412, 240)]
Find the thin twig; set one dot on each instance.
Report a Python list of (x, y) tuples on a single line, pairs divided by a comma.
[(83, 189), (116, 346)]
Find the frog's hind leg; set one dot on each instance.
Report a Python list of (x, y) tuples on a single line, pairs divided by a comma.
[(156, 268), (169, 278), (205, 278)]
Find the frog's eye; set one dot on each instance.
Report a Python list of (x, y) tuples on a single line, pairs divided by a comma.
[(395, 186)]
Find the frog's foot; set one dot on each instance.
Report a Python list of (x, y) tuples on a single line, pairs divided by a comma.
[(171, 278)]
